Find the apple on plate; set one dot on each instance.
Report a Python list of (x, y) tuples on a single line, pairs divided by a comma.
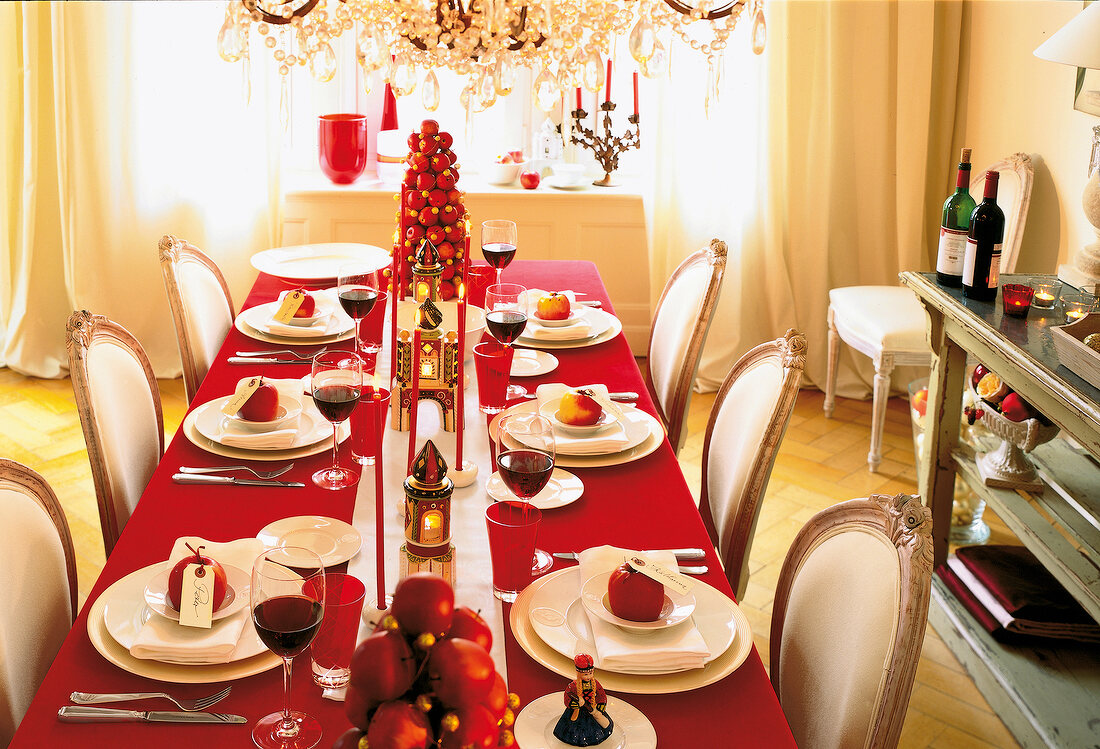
[(262, 405), (308, 306), (206, 566), (529, 180), (504, 158), (634, 596), (579, 409), (553, 306)]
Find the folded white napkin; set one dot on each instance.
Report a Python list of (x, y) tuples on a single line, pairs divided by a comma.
[(659, 651), (331, 321), (611, 439), (165, 640), (232, 434)]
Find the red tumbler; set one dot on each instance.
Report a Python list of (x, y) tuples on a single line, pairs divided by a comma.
[(342, 146)]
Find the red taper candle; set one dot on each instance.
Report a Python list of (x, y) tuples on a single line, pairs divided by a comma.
[(415, 392), (579, 98), (635, 93), (607, 82), (375, 406), (460, 393)]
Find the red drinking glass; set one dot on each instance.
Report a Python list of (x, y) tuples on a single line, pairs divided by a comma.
[(342, 146), (479, 278), (1016, 298), (368, 424), (493, 365), (331, 649), (513, 528), (371, 326)]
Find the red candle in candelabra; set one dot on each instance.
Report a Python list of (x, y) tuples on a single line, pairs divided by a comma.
[(395, 280), (460, 392), (607, 81), (415, 393), (579, 98), (635, 93), (374, 406)]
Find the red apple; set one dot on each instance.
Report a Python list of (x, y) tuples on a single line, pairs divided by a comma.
[(429, 127), (435, 235), (410, 179), (579, 409), (399, 725), (425, 181), (1015, 408), (979, 372), (446, 250), (349, 739), (460, 672), (448, 214), (634, 596), (446, 179), (357, 707), (414, 141), (262, 405), (308, 305), (415, 232), (448, 270), (446, 290), (446, 140), (423, 602), (438, 162), (455, 232), (428, 145), (417, 161), (920, 401), (428, 216), (496, 702), (476, 730), (467, 624), (416, 199), (553, 306), (208, 566), (437, 198), (529, 180), (503, 158), (454, 197), (383, 666)]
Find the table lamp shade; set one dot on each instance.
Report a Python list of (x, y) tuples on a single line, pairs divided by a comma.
[(1076, 42)]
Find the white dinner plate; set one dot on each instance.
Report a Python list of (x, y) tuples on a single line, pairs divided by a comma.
[(532, 363), (535, 725), (598, 323), (614, 327), (312, 426), (240, 453), (314, 263), (238, 583), (333, 540), (116, 617), (553, 602), (559, 183), (677, 608), (254, 322), (562, 489)]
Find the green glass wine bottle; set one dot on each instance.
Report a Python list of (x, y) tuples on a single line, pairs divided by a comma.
[(955, 226)]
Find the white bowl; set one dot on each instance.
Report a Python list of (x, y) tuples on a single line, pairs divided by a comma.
[(289, 408), (304, 322), (502, 174), (475, 320), (569, 174)]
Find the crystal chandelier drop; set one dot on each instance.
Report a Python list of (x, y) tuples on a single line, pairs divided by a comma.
[(564, 42)]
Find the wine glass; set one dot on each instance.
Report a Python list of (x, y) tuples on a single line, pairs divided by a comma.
[(336, 384), (506, 317), (498, 243), (288, 602), (357, 294), (525, 461)]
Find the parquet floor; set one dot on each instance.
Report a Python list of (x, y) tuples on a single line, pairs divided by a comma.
[(822, 461)]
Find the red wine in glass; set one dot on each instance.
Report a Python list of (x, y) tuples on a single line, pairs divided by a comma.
[(498, 254), (525, 472), (505, 325), (358, 301), (336, 402), (287, 624)]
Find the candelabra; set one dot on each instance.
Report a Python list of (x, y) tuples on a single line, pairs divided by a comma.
[(607, 147)]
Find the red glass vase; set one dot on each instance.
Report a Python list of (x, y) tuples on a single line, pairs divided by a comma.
[(342, 146)]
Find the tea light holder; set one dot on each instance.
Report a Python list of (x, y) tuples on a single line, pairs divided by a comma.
[(1016, 299), (1045, 292), (1076, 306)]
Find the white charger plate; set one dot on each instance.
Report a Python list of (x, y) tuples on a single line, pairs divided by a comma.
[(313, 263), (562, 489), (123, 607), (677, 608), (238, 584), (598, 323), (312, 426), (256, 320), (240, 453), (718, 618), (535, 725), (532, 363), (333, 540), (615, 326)]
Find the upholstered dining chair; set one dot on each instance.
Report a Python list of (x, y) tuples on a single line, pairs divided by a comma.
[(887, 323), (747, 422), (202, 309), (678, 332), (38, 588), (848, 621), (118, 401)]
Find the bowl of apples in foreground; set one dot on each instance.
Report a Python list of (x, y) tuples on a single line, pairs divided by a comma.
[(266, 410)]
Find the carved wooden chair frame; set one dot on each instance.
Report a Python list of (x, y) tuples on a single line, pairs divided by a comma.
[(81, 331), (907, 524), (33, 485), (714, 256), (173, 253), (734, 546)]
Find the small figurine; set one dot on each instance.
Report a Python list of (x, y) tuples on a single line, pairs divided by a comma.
[(585, 721)]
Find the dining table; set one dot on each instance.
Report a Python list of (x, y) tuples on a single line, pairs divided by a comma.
[(642, 504)]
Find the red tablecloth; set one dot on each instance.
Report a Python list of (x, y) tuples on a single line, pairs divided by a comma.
[(644, 504)]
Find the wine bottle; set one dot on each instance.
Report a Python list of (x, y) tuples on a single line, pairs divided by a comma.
[(955, 226), (982, 262)]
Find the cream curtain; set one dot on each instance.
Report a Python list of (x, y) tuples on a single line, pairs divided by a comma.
[(841, 134), (121, 124)]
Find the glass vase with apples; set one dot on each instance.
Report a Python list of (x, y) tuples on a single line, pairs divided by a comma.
[(506, 307), (525, 450)]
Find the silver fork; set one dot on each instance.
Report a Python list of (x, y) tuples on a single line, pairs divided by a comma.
[(258, 474), (295, 354), (190, 706)]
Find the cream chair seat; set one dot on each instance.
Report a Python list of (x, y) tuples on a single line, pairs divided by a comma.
[(202, 309), (679, 330), (848, 621), (118, 401), (747, 422), (38, 588), (887, 323)]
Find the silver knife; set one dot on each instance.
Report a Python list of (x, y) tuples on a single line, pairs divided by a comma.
[(624, 397), (259, 360), (682, 555), (85, 714), (193, 478)]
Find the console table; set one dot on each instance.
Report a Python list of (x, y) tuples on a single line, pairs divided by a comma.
[(1048, 696)]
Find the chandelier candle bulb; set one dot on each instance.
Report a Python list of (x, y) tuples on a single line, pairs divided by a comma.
[(579, 106)]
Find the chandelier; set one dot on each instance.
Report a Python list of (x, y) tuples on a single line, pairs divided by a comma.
[(563, 41)]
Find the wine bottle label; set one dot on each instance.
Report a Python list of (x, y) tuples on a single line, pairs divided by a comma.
[(970, 261), (949, 260), (197, 597), (995, 267)]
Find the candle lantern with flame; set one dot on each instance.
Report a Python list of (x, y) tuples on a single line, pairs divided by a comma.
[(1016, 299), (428, 546)]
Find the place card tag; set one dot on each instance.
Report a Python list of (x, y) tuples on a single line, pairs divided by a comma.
[(244, 391), (290, 304), (666, 577), (197, 597)]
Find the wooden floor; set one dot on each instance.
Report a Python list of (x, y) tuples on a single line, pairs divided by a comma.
[(822, 461)]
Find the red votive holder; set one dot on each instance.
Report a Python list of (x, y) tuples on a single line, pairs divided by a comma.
[(479, 278), (368, 423), (1016, 299), (342, 146)]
